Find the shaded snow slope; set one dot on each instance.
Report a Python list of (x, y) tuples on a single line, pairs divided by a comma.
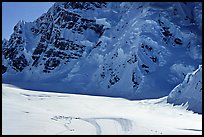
[(31, 112), (189, 91)]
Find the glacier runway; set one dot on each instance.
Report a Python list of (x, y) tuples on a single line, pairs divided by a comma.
[(46, 113)]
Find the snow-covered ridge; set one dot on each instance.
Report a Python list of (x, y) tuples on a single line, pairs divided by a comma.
[(189, 92), (129, 50)]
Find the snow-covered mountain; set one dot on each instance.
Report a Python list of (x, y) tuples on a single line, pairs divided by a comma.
[(134, 50), (189, 91)]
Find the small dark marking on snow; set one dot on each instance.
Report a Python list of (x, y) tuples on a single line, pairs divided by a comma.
[(191, 129)]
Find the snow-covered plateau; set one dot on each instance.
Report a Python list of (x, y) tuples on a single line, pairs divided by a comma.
[(32, 112)]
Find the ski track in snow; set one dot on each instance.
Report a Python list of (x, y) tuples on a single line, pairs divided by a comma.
[(126, 124), (94, 121), (95, 124), (189, 129)]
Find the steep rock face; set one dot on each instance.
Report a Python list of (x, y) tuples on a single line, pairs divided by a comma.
[(13, 50), (113, 48), (46, 36), (189, 91), (59, 28)]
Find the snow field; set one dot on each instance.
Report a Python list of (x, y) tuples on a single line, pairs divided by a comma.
[(31, 112)]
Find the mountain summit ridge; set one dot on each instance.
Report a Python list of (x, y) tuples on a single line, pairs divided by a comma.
[(134, 50)]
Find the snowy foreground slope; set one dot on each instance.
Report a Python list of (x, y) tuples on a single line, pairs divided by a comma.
[(31, 112)]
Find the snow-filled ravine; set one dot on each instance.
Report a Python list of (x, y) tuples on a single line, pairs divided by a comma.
[(35, 112)]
